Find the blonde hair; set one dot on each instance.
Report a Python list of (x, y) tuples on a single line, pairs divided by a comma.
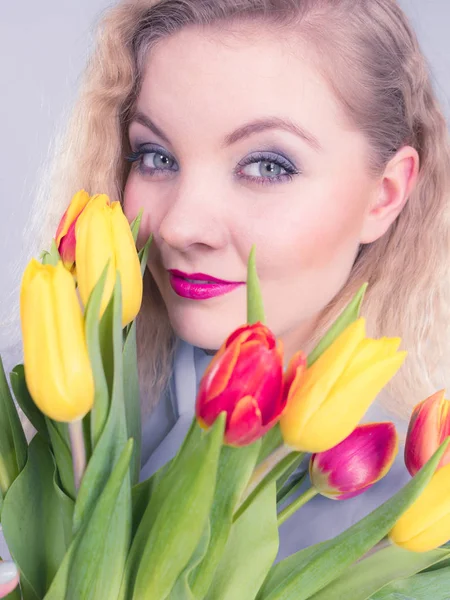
[(372, 60)]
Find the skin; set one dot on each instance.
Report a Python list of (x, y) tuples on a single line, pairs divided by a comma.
[(206, 210)]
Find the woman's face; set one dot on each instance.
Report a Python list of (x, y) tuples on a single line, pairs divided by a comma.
[(239, 141)]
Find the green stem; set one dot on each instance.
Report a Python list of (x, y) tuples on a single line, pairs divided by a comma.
[(76, 435), (298, 503), (287, 493)]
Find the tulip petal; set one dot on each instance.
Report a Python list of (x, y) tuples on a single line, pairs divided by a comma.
[(359, 461), (336, 418), (75, 208), (67, 247), (218, 373), (428, 427), (127, 263), (426, 524), (316, 386), (369, 352), (296, 368), (244, 426), (94, 248)]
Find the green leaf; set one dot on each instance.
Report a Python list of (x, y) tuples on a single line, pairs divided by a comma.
[(63, 456), (132, 403), (346, 318), (176, 516), (425, 586), (52, 257), (114, 435), (135, 225), (36, 519), (250, 551), (25, 401), (13, 444), (98, 562), (182, 590), (368, 576), (99, 411), (270, 442), (303, 574), (235, 468), (143, 253), (283, 466), (97, 554), (255, 306)]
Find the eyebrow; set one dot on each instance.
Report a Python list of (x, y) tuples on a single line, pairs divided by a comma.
[(242, 132)]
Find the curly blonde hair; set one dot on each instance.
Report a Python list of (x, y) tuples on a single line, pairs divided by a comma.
[(371, 58)]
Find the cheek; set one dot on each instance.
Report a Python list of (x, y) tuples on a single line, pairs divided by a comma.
[(133, 202), (316, 232)]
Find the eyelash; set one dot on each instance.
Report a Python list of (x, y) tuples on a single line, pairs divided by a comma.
[(271, 157)]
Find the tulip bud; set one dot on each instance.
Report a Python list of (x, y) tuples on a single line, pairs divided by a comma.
[(103, 234), (426, 524), (327, 401), (244, 379), (354, 465), (57, 368), (428, 427), (65, 234)]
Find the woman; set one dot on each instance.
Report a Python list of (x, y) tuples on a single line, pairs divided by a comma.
[(306, 127)]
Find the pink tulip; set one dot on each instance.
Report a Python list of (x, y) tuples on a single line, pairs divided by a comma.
[(354, 465)]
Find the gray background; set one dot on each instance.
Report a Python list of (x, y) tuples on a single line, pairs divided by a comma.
[(43, 47)]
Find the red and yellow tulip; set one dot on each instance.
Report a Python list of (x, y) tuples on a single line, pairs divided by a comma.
[(428, 427), (245, 380), (65, 234), (327, 401), (357, 463)]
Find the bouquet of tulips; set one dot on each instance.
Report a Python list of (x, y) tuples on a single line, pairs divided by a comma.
[(80, 525)]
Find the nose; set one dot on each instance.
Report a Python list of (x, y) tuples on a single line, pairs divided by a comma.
[(194, 216)]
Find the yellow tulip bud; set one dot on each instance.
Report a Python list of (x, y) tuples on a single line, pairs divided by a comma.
[(426, 524), (57, 368), (103, 234), (327, 401)]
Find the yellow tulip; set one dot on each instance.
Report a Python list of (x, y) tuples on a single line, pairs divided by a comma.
[(103, 234), (426, 524), (327, 401), (57, 368)]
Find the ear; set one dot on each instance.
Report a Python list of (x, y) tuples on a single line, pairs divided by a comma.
[(391, 194)]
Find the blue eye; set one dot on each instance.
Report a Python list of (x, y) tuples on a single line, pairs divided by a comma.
[(151, 160), (266, 168)]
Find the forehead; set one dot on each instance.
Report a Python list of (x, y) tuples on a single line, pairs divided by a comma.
[(218, 79)]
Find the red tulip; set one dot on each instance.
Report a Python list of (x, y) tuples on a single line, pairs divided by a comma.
[(245, 380), (428, 427), (65, 234), (354, 465)]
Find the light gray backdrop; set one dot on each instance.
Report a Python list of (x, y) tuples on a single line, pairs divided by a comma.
[(43, 47)]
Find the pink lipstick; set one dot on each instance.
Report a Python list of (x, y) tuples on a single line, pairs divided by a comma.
[(198, 286)]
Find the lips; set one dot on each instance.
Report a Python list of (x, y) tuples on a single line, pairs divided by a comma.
[(198, 286)]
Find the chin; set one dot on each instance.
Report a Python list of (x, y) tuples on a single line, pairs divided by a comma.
[(204, 329)]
